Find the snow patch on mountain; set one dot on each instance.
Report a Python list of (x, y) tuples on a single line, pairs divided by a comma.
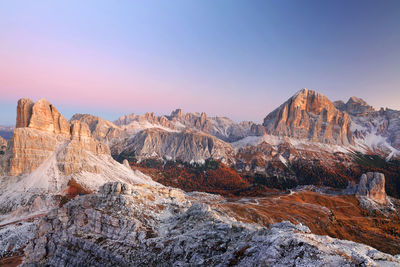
[(137, 126), (296, 143)]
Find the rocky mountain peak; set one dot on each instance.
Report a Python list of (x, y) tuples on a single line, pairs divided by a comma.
[(80, 130), (24, 112), (310, 115), (357, 106), (42, 132), (177, 113), (42, 116), (311, 101), (354, 106), (355, 99)]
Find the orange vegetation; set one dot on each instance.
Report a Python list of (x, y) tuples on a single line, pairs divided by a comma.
[(213, 177), (338, 216), (72, 191)]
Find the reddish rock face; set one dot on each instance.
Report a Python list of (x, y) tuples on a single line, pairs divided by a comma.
[(24, 112), (45, 117), (43, 132), (310, 115)]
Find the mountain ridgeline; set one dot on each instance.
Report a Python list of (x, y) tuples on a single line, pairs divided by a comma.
[(65, 200), (306, 140)]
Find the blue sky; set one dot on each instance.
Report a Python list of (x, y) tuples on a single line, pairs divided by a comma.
[(239, 59)]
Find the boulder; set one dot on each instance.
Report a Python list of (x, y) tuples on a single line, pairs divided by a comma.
[(371, 186)]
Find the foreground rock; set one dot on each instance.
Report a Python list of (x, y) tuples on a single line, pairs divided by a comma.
[(147, 226)]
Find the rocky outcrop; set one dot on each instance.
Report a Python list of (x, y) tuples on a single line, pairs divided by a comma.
[(371, 186), (147, 120), (24, 112), (188, 145), (42, 116), (29, 149), (72, 158), (354, 106), (105, 131), (101, 129), (41, 132), (378, 130), (145, 226), (221, 127), (311, 116)]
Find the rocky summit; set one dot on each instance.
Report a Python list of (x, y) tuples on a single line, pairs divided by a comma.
[(42, 131), (311, 116)]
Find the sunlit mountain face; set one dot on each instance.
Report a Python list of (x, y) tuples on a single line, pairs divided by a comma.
[(177, 134)]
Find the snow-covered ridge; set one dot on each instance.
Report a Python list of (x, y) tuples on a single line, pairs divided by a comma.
[(294, 142)]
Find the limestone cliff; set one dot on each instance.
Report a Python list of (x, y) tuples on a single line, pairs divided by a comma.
[(310, 115), (42, 131), (24, 112), (104, 131), (42, 116), (187, 145)]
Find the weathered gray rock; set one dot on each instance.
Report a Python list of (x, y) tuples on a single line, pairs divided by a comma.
[(187, 145), (372, 186), (147, 226)]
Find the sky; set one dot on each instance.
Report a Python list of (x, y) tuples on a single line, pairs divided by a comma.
[(239, 59)]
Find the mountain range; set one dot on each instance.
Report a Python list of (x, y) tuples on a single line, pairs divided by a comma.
[(306, 136), (94, 192)]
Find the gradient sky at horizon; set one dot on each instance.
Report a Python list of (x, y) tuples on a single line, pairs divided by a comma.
[(239, 59)]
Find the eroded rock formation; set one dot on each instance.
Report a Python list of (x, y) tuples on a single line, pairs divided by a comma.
[(147, 226), (41, 132), (24, 112), (371, 186), (310, 115)]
